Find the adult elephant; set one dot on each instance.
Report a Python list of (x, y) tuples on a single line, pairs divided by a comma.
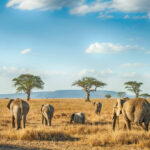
[(117, 111), (98, 107), (47, 111), (137, 111), (19, 110)]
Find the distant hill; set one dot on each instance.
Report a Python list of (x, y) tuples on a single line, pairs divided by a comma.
[(61, 94)]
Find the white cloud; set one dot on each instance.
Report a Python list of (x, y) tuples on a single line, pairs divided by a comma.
[(105, 16), (126, 6), (14, 71), (53, 79), (136, 65), (43, 4), (25, 51), (130, 75), (140, 17), (131, 6), (95, 73), (97, 6), (126, 17), (106, 48), (80, 7)]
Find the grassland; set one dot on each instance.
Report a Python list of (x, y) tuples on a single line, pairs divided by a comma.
[(96, 134)]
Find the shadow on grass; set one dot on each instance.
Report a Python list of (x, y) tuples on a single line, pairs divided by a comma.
[(58, 137), (102, 123), (11, 147)]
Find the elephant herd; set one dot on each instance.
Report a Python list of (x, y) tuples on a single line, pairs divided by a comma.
[(133, 111), (20, 108)]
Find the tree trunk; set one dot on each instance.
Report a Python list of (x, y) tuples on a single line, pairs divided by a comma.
[(87, 96), (137, 95), (28, 96)]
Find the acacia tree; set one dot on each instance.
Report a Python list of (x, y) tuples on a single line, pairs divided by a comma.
[(145, 95), (121, 94), (88, 84), (27, 82), (108, 96), (134, 87)]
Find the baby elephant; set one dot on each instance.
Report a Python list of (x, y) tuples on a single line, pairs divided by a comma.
[(98, 107), (47, 114), (19, 110), (78, 118)]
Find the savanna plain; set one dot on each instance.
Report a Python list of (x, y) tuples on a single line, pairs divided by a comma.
[(95, 134)]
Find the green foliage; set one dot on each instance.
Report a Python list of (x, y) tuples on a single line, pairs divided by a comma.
[(27, 82), (121, 94), (108, 96), (89, 84), (134, 87), (145, 95)]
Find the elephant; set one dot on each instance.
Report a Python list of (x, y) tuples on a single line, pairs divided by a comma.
[(19, 110), (98, 107), (135, 110), (117, 111), (78, 118), (47, 111)]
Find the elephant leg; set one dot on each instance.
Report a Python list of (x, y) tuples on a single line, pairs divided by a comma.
[(128, 124), (140, 124), (13, 122), (118, 122), (83, 121), (42, 119), (125, 127), (114, 121), (24, 121), (49, 121), (18, 122), (45, 121), (146, 123)]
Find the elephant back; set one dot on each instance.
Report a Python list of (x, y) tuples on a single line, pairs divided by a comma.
[(47, 107), (136, 109), (24, 106), (79, 117)]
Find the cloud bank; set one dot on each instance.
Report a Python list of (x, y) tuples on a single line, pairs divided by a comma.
[(109, 48), (83, 7)]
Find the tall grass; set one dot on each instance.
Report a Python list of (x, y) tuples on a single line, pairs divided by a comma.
[(96, 133)]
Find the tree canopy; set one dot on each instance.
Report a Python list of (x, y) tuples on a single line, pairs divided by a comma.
[(27, 82), (121, 94), (89, 84), (108, 96), (134, 87), (145, 95)]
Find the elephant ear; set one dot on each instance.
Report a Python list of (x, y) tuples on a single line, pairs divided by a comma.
[(9, 103), (42, 107), (122, 102), (72, 118), (119, 106)]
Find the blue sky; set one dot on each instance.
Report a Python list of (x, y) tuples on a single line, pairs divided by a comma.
[(63, 40)]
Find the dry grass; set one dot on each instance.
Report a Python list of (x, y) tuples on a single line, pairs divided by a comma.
[(95, 134)]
